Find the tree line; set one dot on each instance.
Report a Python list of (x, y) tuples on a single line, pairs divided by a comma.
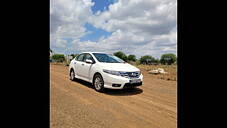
[(168, 58)]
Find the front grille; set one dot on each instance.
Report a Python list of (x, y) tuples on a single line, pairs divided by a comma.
[(131, 74), (130, 85)]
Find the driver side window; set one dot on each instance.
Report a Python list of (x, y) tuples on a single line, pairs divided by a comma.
[(80, 57)]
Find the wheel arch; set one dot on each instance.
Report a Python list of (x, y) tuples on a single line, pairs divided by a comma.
[(95, 75)]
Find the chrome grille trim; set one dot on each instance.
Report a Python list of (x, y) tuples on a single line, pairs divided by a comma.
[(131, 74)]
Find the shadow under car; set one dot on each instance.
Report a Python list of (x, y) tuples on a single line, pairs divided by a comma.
[(116, 92)]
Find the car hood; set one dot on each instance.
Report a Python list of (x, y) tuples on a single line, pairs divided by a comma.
[(119, 67)]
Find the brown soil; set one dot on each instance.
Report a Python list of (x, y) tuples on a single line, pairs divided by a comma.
[(75, 104)]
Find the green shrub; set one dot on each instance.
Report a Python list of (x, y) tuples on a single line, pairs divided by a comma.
[(58, 57), (121, 55), (148, 60), (132, 58), (168, 58)]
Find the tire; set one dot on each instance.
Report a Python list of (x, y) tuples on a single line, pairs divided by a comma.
[(72, 75), (98, 83)]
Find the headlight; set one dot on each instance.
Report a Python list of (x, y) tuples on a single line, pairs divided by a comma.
[(112, 72), (139, 73)]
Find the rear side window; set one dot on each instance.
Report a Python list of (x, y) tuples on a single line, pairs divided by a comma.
[(80, 57), (88, 56)]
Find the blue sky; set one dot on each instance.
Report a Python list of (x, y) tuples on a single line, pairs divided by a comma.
[(101, 5), (96, 33), (139, 27)]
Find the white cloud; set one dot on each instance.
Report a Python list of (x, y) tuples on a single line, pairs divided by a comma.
[(152, 16), (131, 44), (58, 42), (68, 18), (138, 26)]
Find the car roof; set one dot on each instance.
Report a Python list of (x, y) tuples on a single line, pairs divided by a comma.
[(95, 52)]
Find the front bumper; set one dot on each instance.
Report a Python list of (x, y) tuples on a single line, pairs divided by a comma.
[(123, 82)]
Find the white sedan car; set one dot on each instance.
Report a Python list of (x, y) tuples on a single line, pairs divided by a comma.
[(104, 71)]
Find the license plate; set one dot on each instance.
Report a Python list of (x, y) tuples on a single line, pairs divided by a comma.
[(135, 81)]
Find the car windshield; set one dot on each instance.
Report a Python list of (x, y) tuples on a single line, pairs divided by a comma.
[(107, 58)]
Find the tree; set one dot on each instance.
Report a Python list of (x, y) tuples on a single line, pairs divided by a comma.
[(131, 58), (121, 55), (169, 58), (147, 59), (58, 57), (157, 61)]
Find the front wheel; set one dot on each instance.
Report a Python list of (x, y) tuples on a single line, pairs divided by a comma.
[(98, 83), (72, 75)]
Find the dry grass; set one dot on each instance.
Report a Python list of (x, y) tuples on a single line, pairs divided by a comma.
[(170, 69)]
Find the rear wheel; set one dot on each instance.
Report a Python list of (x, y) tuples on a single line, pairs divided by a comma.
[(98, 83), (72, 75)]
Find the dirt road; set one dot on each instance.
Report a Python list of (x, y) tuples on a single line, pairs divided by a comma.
[(78, 105)]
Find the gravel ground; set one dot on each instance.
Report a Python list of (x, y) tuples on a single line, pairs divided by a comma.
[(75, 104)]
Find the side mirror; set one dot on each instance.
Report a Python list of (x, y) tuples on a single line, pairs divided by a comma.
[(88, 61)]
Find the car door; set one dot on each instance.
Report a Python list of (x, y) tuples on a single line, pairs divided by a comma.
[(79, 65), (86, 67)]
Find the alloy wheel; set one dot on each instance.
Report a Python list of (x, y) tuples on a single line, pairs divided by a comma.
[(98, 83)]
